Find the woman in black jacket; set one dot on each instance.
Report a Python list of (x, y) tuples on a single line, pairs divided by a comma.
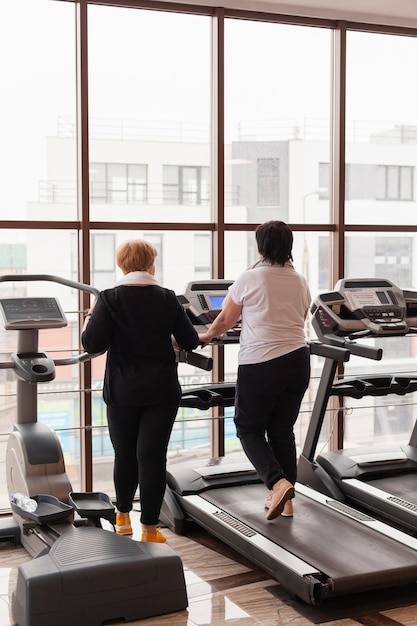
[(135, 322)]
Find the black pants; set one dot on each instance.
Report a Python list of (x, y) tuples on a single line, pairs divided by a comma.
[(268, 399), (140, 438)]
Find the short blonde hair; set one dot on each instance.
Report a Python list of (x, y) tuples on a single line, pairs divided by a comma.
[(135, 255)]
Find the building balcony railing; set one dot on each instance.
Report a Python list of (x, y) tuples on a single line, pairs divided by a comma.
[(311, 129), (65, 192), (139, 130)]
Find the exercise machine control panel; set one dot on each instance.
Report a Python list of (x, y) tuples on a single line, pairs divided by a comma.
[(363, 307), (203, 301), (31, 313)]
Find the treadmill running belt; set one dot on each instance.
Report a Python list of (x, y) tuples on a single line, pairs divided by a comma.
[(352, 555)]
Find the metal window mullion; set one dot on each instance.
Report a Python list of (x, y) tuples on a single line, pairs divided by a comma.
[(217, 446), (338, 178), (85, 400), (338, 186)]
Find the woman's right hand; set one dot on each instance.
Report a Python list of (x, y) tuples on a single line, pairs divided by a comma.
[(204, 339)]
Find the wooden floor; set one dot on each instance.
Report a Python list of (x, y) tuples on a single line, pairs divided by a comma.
[(224, 589)]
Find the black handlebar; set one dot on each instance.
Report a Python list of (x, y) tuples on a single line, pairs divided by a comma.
[(330, 352), (369, 352), (358, 349), (193, 358)]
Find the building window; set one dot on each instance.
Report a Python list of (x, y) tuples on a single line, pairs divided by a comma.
[(365, 181), (202, 256), (137, 188), (360, 181), (381, 256), (324, 184), (103, 262), (268, 182), (122, 183), (157, 240), (12, 258), (324, 262), (393, 259), (186, 184), (394, 182)]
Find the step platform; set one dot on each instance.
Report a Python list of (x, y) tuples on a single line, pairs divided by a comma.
[(91, 576)]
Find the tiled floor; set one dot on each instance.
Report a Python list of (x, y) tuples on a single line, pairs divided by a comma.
[(226, 590)]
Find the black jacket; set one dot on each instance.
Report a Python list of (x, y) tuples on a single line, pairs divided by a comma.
[(134, 324)]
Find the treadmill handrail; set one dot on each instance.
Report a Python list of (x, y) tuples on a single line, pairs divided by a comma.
[(70, 360), (193, 358), (183, 356), (329, 351), (51, 278), (358, 349)]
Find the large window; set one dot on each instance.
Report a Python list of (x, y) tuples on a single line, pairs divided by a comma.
[(169, 126), (149, 115), (277, 119), (381, 101), (37, 74)]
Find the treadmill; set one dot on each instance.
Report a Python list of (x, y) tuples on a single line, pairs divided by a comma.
[(377, 479), (327, 549)]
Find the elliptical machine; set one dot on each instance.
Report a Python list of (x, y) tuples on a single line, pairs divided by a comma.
[(81, 573)]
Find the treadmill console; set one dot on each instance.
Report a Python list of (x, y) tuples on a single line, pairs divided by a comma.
[(203, 301), (31, 313), (362, 307)]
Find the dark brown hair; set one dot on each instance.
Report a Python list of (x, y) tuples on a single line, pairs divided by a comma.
[(274, 240)]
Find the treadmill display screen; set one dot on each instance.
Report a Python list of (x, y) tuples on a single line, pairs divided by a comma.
[(372, 310), (216, 302), (32, 313), (365, 297)]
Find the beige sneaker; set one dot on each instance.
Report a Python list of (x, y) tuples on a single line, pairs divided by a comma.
[(282, 491), (287, 511)]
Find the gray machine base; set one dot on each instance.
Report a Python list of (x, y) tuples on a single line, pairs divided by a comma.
[(91, 576)]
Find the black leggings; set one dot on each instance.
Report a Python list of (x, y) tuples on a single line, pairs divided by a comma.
[(140, 437), (268, 399)]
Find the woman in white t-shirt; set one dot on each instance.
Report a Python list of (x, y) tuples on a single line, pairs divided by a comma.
[(272, 301)]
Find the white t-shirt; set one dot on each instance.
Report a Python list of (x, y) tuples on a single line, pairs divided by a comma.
[(274, 300)]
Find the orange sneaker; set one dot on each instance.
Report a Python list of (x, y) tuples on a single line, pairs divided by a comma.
[(123, 525), (157, 537)]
